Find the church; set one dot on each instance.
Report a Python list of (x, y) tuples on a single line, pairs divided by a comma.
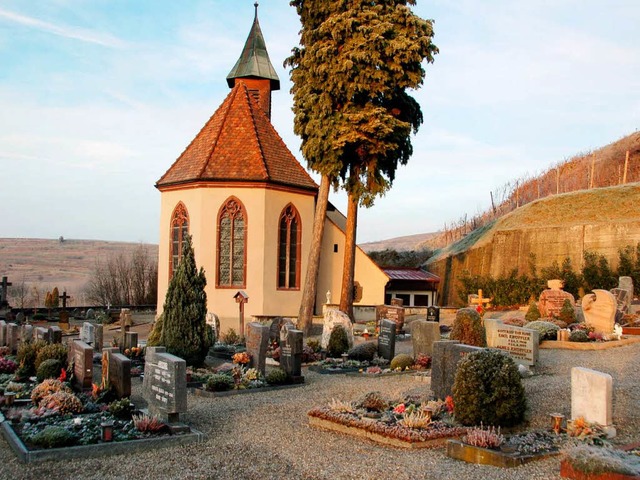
[(249, 206)]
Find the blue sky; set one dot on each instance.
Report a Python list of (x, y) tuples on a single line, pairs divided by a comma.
[(99, 97)]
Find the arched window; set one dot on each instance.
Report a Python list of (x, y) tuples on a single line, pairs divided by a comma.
[(289, 234), (179, 228), (232, 235)]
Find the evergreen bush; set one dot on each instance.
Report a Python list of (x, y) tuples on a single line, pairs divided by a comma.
[(338, 342), (401, 361), (579, 336), (49, 351), (26, 356), (183, 327), (53, 437), (363, 352), (468, 329), (49, 369), (488, 389), (567, 313), (219, 382), (277, 377), (547, 330), (533, 313)]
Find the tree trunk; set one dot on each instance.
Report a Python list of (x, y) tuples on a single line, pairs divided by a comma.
[(305, 316), (349, 263)]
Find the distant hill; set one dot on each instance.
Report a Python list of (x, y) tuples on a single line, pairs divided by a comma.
[(410, 242), (67, 265)]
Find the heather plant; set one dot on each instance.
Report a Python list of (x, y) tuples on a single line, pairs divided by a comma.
[(579, 335), (341, 406), (7, 366), (47, 387), (489, 437), (148, 424), (373, 401), (488, 389), (63, 402), (468, 329), (53, 437), (338, 342)]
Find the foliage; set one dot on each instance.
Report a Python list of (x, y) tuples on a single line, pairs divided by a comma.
[(55, 297), (50, 368), (401, 361), (277, 376), (230, 337), (597, 273), (547, 330), (599, 460), (484, 438), (26, 356), (533, 442), (63, 402), (567, 313), (468, 329), (314, 344), (7, 365), (340, 406), (374, 402), (219, 382), (579, 335), (56, 351), (53, 437), (509, 290), (47, 387), (488, 389), (533, 313), (241, 358), (415, 419), (338, 342), (121, 408), (402, 258), (155, 336), (363, 352), (422, 361), (145, 423), (185, 309), (585, 431)]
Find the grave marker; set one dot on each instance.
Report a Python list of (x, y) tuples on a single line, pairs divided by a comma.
[(20, 318), (63, 320), (257, 343), (130, 340), (387, 339), (551, 300), (390, 313), (13, 337), (331, 319), (291, 355), (42, 333), (165, 384), (520, 343), (623, 299), (591, 397), (55, 335), (98, 338), (423, 334), (3, 333), (120, 374), (87, 334), (446, 355), (27, 333), (599, 310), (82, 364), (478, 301), (433, 314), (3, 291)]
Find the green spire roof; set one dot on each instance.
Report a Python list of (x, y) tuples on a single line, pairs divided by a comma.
[(254, 61)]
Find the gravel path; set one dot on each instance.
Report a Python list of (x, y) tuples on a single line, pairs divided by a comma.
[(265, 435)]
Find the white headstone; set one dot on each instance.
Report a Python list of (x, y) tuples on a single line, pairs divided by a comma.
[(591, 396), (520, 343), (599, 310)]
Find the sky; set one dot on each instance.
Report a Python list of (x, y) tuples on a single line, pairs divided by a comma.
[(99, 97)]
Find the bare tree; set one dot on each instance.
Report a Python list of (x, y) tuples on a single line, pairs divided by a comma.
[(19, 293)]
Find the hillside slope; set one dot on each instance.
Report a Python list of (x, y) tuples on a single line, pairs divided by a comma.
[(566, 225)]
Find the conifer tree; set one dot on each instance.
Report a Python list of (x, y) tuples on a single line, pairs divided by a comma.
[(55, 297), (183, 329)]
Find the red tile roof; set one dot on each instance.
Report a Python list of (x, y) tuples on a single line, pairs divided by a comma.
[(238, 143), (396, 273)]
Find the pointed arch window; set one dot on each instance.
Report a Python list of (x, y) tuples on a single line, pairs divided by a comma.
[(232, 236), (179, 228), (289, 235)]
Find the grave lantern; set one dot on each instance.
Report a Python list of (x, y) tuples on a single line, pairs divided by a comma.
[(107, 431), (241, 298)]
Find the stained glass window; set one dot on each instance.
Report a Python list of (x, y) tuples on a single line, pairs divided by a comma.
[(231, 244), (289, 249), (179, 228)]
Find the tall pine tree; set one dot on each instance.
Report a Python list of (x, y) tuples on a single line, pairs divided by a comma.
[(182, 328)]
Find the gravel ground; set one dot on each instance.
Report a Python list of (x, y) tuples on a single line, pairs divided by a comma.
[(265, 435)]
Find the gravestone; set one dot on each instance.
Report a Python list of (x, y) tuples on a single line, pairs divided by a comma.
[(91, 314), (4, 288), (42, 333), (390, 313), (125, 324), (98, 338), (291, 355), (13, 337), (55, 335), (257, 343), (130, 340), (387, 339), (623, 300), (87, 334), (63, 320), (599, 310), (551, 300), (446, 355), (165, 384), (214, 322), (274, 329), (520, 343), (433, 314), (27, 333), (626, 283), (591, 397), (397, 302), (3, 333), (118, 372), (82, 364), (331, 319), (423, 334), (20, 318), (284, 330)]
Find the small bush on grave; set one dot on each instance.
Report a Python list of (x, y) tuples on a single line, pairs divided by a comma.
[(277, 377), (468, 329), (63, 402), (155, 336), (488, 389), (53, 437), (230, 337), (363, 352), (401, 361), (50, 351), (314, 344), (47, 387), (7, 366), (579, 336), (373, 402), (26, 356), (533, 313), (219, 382), (547, 330), (567, 313), (338, 342), (121, 408), (49, 369)]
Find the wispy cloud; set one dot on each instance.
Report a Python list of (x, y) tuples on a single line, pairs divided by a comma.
[(75, 33)]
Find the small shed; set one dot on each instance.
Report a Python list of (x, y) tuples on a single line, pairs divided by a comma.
[(416, 287)]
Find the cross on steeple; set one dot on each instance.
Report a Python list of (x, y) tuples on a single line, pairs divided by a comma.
[(64, 298)]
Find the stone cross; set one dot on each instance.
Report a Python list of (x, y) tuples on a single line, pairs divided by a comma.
[(480, 301), (64, 298), (3, 293)]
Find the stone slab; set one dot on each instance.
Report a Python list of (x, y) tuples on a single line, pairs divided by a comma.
[(520, 343), (599, 310), (331, 319), (82, 354), (591, 396), (423, 335), (390, 312)]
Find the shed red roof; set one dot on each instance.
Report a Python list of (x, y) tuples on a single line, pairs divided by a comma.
[(238, 143), (396, 273)]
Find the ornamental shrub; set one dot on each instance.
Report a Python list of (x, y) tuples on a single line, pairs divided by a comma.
[(121, 408), (27, 352), (488, 389), (47, 387), (63, 402), (219, 382), (56, 351), (338, 342), (547, 330), (468, 329), (363, 352), (277, 376), (53, 437), (184, 314), (533, 313), (567, 313), (373, 401), (401, 361), (49, 369), (579, 336)]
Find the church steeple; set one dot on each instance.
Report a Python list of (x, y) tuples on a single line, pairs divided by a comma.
[(255, 68)]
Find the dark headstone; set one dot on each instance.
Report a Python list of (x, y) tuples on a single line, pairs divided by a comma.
[(165, 384), (98, 338), (257, 343), (623, 299), (3, 333), (20, 318), (120, 374), (446, 355), (274, 329), (82, 364), (433, 314), (291, 354), (287, 325), (423, 335), (391, 313), (387, 339), (55, 335), (130, 340), (13, 337), (63, 320)]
